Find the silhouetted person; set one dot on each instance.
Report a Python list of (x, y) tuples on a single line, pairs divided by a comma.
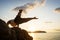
[(5, 32), (18, 20), (22, 34)]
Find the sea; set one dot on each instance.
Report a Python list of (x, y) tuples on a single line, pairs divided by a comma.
[(46, 36)]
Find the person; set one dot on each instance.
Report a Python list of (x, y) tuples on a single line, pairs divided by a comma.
[(18, 20), (5, 32), (21, 34)]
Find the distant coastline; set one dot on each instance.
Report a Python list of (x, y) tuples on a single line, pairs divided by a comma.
[(37, 32)]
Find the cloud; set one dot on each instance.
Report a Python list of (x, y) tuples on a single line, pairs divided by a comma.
[(25, 7), (57, 10), (30, 5)]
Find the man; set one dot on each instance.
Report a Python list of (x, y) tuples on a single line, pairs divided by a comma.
[(18, 20)]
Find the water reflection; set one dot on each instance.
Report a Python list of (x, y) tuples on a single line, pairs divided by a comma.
[(35, 37), (46, 36)]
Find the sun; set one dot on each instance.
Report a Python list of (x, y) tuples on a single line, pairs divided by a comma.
[(32, 29)]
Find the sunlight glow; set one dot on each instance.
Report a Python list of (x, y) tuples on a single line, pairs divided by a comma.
[(10, 26), (32, 29)]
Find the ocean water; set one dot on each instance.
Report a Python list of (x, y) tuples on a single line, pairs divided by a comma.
[(46, 36)]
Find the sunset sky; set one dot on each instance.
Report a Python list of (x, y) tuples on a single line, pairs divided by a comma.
[(48, 14)]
